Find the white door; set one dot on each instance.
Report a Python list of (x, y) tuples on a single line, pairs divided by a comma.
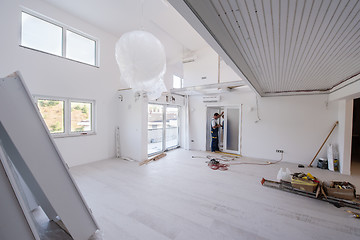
[(232, 128)]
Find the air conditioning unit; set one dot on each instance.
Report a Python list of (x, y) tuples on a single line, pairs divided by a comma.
[(208, 99)]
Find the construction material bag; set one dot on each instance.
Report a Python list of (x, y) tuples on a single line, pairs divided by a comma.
[(284, 175)]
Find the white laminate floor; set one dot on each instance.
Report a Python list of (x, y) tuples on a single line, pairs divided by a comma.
[(180, 197)]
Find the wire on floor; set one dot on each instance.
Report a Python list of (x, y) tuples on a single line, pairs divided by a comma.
[(228, 159)]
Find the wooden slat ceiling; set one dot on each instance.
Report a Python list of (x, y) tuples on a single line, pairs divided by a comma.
[(286, 46)]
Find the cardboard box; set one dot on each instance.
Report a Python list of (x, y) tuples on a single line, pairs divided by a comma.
[(303, 184), (332, 189)]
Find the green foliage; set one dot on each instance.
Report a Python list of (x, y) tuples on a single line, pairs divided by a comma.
[(80, 129), (57, 127), (85, 110), (77, 107), (48, 103)]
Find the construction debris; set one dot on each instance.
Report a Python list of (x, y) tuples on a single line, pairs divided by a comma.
[(155, 158)]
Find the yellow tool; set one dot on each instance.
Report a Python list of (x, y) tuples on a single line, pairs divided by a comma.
[(355, 215)]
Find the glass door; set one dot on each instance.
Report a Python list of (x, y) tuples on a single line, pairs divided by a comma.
[(155, 128), (172, 127), (163, 128), (232, 123)]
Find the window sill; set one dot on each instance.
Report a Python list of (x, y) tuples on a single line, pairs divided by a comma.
[(54, 135)]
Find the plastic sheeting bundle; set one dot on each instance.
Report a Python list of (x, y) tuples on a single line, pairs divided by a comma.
[(142, 62)]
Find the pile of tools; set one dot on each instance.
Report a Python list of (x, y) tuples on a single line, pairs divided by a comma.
[(340, 194), (215, 165)]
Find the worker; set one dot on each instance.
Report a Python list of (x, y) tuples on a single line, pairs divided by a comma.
[(215, 132)]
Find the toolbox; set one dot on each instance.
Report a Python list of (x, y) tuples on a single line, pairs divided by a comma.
[(343, 190), (304, 182)]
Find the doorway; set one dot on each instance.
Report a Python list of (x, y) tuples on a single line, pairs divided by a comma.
[(230, 132), (209, 115), (163, 128), (355, 146)]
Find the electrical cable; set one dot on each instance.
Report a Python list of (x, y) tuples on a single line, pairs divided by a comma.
[(261, 164), (227, 159)]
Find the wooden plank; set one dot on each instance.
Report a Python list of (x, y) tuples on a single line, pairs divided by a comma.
[(155, 158)]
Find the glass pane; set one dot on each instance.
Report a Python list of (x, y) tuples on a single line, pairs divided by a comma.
[(233, 123), (81, 116), (177, 82), (52, 112), (155, 128), (41, 35), (172, 127), (80, 48)]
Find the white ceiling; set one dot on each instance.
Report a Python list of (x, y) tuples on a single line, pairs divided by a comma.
[(156, 16), (284, 46)]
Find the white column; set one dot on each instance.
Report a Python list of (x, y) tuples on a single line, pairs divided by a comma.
[(345, 135)]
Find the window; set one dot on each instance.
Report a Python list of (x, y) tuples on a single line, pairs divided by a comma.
[(80, 48), (81, 116), (177, 82), (47, 36), (41, 35), (53, 113), (67, 117)]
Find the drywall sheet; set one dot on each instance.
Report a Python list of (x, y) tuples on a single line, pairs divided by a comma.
[(13, 222), (25, 127), (25, 173)]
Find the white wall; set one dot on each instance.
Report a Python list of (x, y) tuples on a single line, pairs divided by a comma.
[(171, 70), (206, 65), (298, 125), (345, 115), (132, 115), (55, 76)]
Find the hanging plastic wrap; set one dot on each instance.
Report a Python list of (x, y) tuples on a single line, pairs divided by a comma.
[(142, 62)]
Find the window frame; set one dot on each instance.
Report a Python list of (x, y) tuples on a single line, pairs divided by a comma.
[(65, 28), (67, 115)]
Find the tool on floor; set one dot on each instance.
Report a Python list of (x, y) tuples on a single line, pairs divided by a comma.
[(337, 122), (287, 187), (215, 165), (354, 214)]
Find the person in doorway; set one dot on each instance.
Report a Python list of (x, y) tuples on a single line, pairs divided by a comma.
[(215, 132)]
